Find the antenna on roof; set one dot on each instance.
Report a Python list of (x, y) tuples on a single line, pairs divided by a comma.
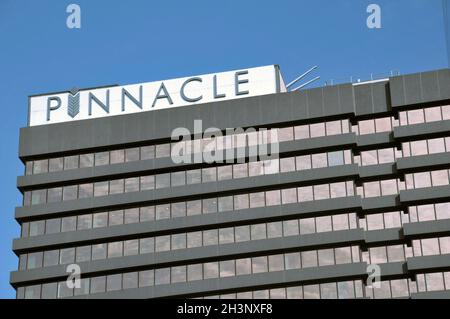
[(305, 84), (301, 77)]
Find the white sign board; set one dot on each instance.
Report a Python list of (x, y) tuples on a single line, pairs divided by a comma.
[(117, 100)]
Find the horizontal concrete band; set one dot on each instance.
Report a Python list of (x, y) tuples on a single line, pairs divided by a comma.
[(211, 189), (423, 195), (421, 131), (428, 263), (196, 255), (261, 111), (443, 294), (242, 283), (423, 162), (435, 228), (155, 166), (191, 223)]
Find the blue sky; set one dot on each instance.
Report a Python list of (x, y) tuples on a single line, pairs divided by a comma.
[(123, 42)]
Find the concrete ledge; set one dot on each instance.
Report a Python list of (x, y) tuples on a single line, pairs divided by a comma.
[(429, 229), (189, 223), (196, 255), (425, 195), (424, 162), (234, 186), (243, 283), (443, 294), (420, 131), (428, 264)]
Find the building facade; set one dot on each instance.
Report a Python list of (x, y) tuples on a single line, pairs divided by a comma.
[(357, 205)]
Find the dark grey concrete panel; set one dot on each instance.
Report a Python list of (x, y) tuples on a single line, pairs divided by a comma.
[(428, 263), (380, 204), (377, 172), (420, 131), (243, 283), (424, 195), (383, 237), (199, 254), (434, 228), (424, 162), (444, 294), (315, 176), (189, 223)]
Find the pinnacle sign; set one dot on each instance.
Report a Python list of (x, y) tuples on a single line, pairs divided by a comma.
[(116, 100)]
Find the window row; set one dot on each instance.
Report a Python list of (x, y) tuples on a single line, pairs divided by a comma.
[(423, 213), (334, 290), (426, 115), (384, 220), (425, 147), (387, 289), (375, 157), (194, 272), (431, 246), (427, 179), (188, 208), (387, 254), (195, 239), (437, 281), (244, 139), (385, 124), (190, 177), (380, 188)]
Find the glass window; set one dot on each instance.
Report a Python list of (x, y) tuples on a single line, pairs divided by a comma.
[(33, 292), (243, 266), (146, 213), (70, 192), (116, 217), (305, 194), (98, 284), (307, 226), (71, 162), (240, 170), (289, 196), (301, 132), (209, 175), (100, 220), (37, 228), (83, 253), (84, 287), (116, 186), (162, 243), (64, 290), (255, 169), (226, 235), (146, 278), (162, 211), (210, 237), (146, 245), (117, 156), (337, 190), (98, 251), (274, 229), (178, 209), (101, 158), (162, 180), (35, 260), (242, 233), (257, 200), (55, 164), (383, 124), (309, 259), (323, 224), (366, 127), (276, 262), (209, 205), (178, 178), (178, 241), (224, 172), (84, 222), (147, 183), (259, 264), (333, 128), (85, 190), (290, 227), (321, 192), (319, 160), (328, 291), (132, 154), (194, 207), (273, 198), (130, 280), (86, 160), (162, 150), (292, 261), (227, 268), (38, 196), (147, 152), (67, 256), (178, 274), (68, 223), (114, 282), (29, 168), (132, 184), (287, 164), (131, 215), (101, 189), (317, 130), (49, 291), (131, 247), (336, 158), (193, 176), (340, 222), (225, 203), (211, 270), (40, 166), (115, 249), (258, 231), (194, 239), (241, 202)]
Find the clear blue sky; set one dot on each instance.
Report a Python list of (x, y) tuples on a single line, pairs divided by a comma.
[(138, 41)]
